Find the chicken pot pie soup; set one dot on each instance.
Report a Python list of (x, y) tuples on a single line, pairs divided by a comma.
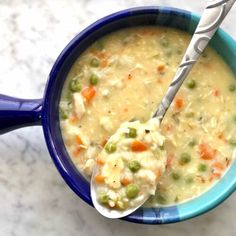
[(123, 77)]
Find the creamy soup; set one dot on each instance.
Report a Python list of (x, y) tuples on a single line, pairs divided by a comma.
[(123, 77)]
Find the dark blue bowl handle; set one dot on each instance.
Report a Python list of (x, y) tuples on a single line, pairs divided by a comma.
[(16, 113)]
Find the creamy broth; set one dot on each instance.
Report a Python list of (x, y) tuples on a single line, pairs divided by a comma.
[(124, 76)]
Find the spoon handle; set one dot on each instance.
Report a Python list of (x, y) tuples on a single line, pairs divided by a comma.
[(213, 15)]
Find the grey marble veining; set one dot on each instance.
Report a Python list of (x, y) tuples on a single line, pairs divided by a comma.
[(34, 200)]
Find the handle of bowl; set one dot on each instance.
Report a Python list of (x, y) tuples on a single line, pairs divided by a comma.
[(16, 113)]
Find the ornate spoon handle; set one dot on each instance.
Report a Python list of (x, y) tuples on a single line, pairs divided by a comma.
[(212, 17)]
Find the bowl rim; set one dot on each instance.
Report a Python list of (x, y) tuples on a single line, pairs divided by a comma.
[(158, 215)]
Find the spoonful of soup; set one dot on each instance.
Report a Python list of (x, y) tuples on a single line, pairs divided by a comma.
[(133, 160)]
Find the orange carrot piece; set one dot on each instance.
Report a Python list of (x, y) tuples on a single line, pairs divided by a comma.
[(160, 68), (79, 140), (138, 146), (104, 63), (216, 92), (88, 93), (125, 181), (99, 161), (77, 151), (168, 127), (206, 152), (218, 165), (158, 174), (99, 178), (169, 160), (179, 103), (73, 119), (216, 175), (103, 143)]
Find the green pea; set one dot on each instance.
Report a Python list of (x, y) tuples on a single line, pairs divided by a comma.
[(161, 198), (93, 79), (189, 180), (202, 167), (94, 62), (191, 84), (169, 53), (110, 147), (234, 118), (190, 114), (192, 143), (164, 42), (232, 87), (132, 133), (69, 95), (134, 166), (175, 176), (75, 85), (232, 142), (179, 52), (162, 148), (121, 205), (185, 158), (132, 191), (63, 114), (99, 45), (103, 198)]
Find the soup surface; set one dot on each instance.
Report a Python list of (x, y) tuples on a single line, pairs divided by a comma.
[(124, 76)]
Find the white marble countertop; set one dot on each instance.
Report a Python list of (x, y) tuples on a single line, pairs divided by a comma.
[(34, 200)]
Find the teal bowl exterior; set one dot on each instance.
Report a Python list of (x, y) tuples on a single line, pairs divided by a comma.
[(16, 113)]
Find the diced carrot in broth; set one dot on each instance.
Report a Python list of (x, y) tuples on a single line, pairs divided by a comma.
[(129, 76), (88, 93), (100, 161), (168, 127), (79, 140), (216, 92), (99, 178), (219, 165), (138, 146), (215, 175), (158, 174), (77, 151), (125, 181), (179, 103), (206, 152), (103, 143), (73, 119), (104, 63), (161, 68), (169, 160)]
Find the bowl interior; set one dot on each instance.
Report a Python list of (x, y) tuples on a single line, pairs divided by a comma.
[(170, 17)]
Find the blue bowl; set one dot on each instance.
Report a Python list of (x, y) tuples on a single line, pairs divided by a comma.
[(15, 113)]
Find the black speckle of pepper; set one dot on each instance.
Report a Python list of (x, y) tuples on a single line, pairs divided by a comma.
[(109, 111), (176, 199), (80, 126), (200, 118), (147, 131)]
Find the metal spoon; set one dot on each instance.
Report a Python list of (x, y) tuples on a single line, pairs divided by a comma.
[(213, 15)]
